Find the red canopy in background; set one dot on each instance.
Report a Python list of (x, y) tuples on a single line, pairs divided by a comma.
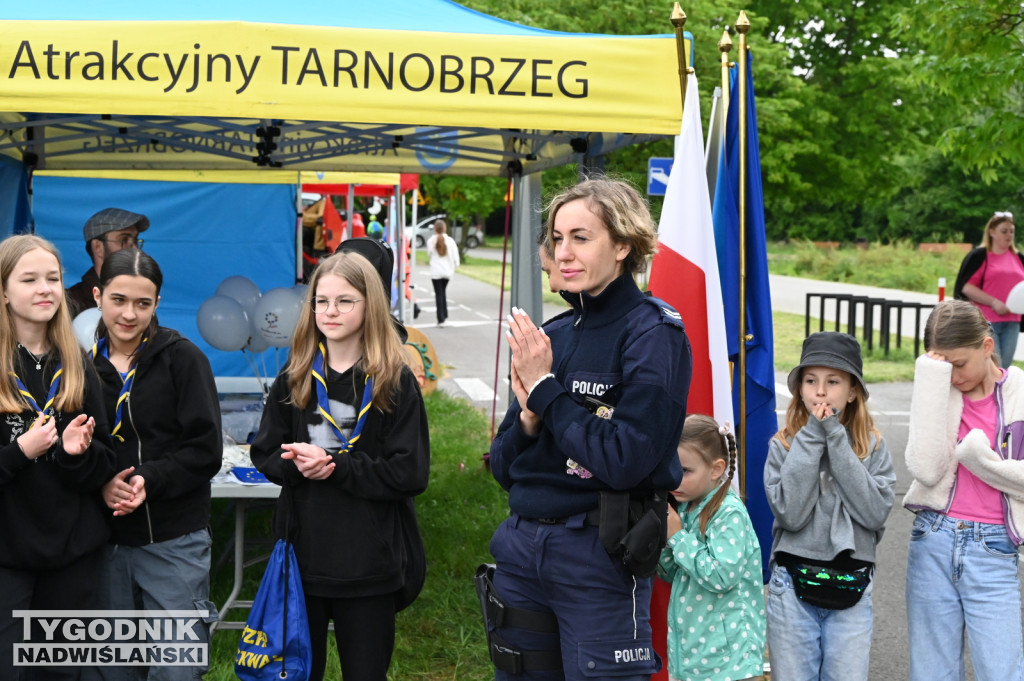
[(334, 226)]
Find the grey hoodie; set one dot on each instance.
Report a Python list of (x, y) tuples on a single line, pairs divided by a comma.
[(824, 498)]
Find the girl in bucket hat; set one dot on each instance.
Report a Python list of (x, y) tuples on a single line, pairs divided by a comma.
[(829, 481)]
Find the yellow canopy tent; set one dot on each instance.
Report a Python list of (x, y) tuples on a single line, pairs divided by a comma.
[(423, 86)]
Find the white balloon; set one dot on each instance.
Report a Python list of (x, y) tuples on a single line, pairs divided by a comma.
[(277, 313), (1015, 301), (85, 327), (241, 289), (223, 323), (257, 343)]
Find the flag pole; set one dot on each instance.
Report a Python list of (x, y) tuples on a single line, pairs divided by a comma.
[(678, 20), (725, 46), (743, 27)]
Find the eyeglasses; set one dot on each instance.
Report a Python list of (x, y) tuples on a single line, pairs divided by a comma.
[(126, 242), (1003, 214), (342, 305)]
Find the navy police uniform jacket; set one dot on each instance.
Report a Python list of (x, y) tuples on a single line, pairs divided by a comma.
[(613, 413)]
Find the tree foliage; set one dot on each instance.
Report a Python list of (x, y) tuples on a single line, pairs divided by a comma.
[(882, 120)]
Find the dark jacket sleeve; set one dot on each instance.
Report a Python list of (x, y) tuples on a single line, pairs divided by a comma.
[(402, 468), (278, 426), (971, 263), (624, 450), (91, 469), (197, 456)]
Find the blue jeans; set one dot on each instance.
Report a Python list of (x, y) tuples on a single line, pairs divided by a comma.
[(806, 643), (167, 575), (962, 575), (1006, 335)]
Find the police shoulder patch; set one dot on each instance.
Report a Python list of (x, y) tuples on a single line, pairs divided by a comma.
[(668, 314)]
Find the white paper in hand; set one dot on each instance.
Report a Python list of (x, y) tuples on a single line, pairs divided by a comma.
[(1015, 301)]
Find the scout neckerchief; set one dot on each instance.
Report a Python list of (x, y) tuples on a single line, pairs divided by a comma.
[(100, 348), (50, 396), (324, 406)]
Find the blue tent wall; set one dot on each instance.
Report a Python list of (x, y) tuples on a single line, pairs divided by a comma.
[(15, 214), (199, 234)]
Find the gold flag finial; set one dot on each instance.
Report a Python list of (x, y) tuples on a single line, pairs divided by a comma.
[(678, 16), (743, 23), (725, 44)]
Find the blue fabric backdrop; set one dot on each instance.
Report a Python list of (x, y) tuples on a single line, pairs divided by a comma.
[(200, 233)]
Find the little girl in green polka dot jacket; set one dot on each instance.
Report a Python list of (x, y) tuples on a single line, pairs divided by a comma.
[(716, 614)]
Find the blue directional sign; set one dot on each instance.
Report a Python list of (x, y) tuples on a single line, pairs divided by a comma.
[(658, 170)]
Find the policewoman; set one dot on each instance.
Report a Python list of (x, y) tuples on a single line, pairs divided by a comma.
[(585, 452)]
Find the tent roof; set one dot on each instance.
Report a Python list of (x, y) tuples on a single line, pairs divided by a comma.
[(393, 86), (441, 16)]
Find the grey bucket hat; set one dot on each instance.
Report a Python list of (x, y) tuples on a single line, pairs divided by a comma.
[(830, 349), (111, 220)]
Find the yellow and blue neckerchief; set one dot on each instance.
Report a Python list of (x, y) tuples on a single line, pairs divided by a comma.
[(50, 396), (323, 406), (100, 348)]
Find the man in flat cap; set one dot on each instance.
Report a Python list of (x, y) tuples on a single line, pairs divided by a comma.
[(106, 232)]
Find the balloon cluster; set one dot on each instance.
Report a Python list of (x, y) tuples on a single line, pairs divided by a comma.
[(239, 317)]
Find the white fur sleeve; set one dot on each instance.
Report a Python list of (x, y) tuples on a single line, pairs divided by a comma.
[(1006, 475), (933, 426)]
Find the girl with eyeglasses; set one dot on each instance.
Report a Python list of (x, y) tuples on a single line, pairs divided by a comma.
[(344, 432), (52, 526), (987, 275), (161, 400)]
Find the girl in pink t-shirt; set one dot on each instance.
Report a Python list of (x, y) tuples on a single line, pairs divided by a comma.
[(964, 450)]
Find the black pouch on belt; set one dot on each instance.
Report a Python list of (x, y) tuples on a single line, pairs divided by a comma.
[(633, 530)]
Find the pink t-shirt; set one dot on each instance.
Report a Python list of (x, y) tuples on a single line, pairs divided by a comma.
[(997, 277), (975, 499)]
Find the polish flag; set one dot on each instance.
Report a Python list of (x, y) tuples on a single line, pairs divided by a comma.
[(685, 275), (685, 270)]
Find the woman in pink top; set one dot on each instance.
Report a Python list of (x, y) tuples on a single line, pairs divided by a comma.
[(987, 275)]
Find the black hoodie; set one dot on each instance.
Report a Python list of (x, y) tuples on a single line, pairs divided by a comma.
[(347, 529), (172, 435), (51, 511)]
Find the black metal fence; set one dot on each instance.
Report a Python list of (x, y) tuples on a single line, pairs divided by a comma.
[(875, 313)]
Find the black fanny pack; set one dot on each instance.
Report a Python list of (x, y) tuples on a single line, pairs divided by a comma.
[(829, 588)]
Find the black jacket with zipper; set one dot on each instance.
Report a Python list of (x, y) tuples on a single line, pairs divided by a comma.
[(172, 435)]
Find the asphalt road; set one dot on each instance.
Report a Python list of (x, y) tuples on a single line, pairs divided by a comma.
[(472, 350)]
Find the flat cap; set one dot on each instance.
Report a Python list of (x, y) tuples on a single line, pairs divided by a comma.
[(112, 220)]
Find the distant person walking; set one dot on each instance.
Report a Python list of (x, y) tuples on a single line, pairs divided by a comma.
[(444, 258), (987, 275)]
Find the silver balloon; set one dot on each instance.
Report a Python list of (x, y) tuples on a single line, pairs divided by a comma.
[(85, 327), (241, 289), (277, 313), (223, 323)]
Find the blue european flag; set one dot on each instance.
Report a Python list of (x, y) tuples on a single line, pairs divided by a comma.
[(761, 423)]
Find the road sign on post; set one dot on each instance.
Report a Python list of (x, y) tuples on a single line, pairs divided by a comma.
[(658, 170)]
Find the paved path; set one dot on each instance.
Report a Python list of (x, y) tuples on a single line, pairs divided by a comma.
[(469, 348)]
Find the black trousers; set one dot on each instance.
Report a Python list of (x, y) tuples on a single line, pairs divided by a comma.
[(441, 298), (365, 632), (72, 587)]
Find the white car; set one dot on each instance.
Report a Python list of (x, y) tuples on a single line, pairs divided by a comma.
[(425, 229)]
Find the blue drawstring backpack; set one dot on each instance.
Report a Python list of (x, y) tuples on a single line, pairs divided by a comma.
[(275, 643)]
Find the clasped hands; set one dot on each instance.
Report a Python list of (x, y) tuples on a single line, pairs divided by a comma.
[(531, 360)]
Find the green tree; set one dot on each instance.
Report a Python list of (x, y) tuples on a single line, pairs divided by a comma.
[(972, 57)]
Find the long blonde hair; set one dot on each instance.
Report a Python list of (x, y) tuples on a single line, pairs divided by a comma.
[(59, 333), (703, 434), (855, 418), (440, 243), (383, 357), (957, 324)]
